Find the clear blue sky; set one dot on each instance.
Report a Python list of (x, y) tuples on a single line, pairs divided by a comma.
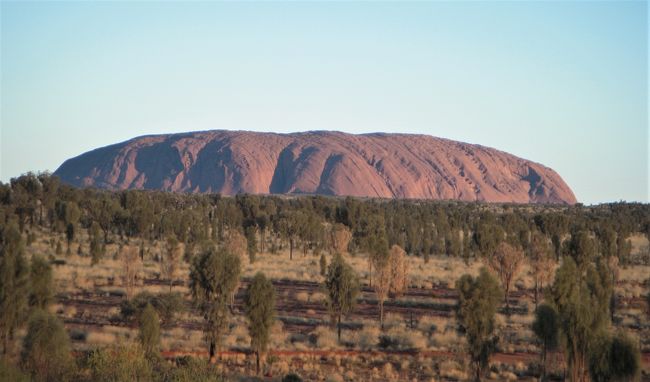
[(561, 83)]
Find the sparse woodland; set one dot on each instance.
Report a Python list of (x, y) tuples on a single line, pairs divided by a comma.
[(144, 285)]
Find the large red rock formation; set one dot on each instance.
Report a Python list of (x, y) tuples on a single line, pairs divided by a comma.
[(317, 162)]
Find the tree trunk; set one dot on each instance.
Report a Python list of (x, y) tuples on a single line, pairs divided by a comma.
[(212, 352), (261, 241), (339, 327), (369, 272), (507, 300), (536, 288), (257, 362), (381, 314), (291, 249), (544, 363)]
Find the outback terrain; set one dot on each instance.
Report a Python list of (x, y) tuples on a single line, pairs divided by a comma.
[(147, 285)]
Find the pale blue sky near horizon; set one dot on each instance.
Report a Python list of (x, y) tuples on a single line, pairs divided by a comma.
[(560, 83)]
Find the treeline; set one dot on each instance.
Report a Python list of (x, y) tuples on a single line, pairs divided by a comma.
[(310, 223), (577, 300)]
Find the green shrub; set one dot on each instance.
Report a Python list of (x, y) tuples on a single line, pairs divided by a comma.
[(121, 363), (167, 305), (9, 372), (149, 335), (46, 349), (614, 359), (291, 377), (189, 369)]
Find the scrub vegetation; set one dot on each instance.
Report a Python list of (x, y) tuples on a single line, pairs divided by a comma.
[(144, 285)]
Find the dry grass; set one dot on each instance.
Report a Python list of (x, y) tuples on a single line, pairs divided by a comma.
[(432, 332), (452, 370), (326, 338)]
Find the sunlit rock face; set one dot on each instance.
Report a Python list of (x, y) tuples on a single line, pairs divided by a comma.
[(317, 162)]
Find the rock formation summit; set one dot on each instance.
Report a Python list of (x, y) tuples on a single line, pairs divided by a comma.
[(317, 162)]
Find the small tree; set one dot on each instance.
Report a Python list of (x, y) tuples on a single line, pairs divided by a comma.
[(581, 298), (96, 244), (14, 285), (69, 235), (323, 264), (251, 243), (546, 328), (259, 304), (506, 262), (340, 237), (398, 271), (167, 306), (541, 261), (46, 348), (382, 283), (213, 278), (40, 277), (377, 251), (120, 363), (614, 358), (478, 300), (131, 265), (342, 286), (171, 259), (149, 335), (236, 244)]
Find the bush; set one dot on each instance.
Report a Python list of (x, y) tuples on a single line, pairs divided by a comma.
[(167, 305), (291, 377), (123, 363), (40, 278), (368, 337), (400, 338), (46, 349), (614, 359), (149, 335), (190, 369), (78, 335), (9, 372), (324, 338)]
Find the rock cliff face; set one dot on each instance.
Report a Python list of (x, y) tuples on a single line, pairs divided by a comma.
[(317, 162)]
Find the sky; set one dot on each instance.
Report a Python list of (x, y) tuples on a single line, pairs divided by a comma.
[(564, 84)]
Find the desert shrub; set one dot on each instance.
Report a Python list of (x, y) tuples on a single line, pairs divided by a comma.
[(149, 335), (367, 338), (278, 335), (400, 338), (120, 363), (14, 288), (259, 305), (324, 338), (323, 264), (546, 328), (291, 377), (430, 325), (392, 320), (189, 369), (334, 378), (9, 372), (342, 285), (167, 305), (46, 349), (41, 285), (214, 277), (477, 305), (452, 370), (78, 335), (614, 359)]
